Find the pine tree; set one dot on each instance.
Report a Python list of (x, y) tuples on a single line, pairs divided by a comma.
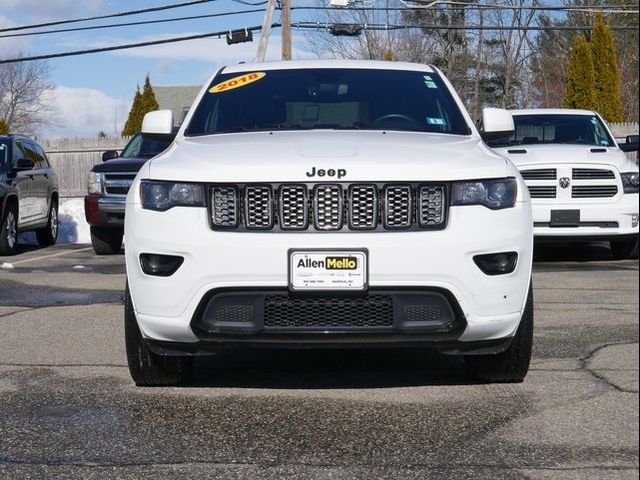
[(4, 127), (607, 75), (148, 97), (134, 121), (580, 89)]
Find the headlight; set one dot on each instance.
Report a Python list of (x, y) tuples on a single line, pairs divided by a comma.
[(94, 183), (494, 194), (631, 182), (164, 195)]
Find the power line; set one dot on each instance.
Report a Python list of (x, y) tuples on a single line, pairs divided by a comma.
[(127, 24), (326, 26), (109, 15), (127, 46), (479, 6), (468, 7)]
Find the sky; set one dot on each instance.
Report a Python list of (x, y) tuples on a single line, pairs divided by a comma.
[(93, 92)]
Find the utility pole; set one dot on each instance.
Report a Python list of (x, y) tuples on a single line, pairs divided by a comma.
[(266, 30), (286, 29)]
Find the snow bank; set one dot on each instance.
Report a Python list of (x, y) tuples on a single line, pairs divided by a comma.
[(73, 226)]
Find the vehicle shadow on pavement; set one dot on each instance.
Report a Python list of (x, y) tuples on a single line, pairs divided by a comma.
[(572, 252), (328, 369)]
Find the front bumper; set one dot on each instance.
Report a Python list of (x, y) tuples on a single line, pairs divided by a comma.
[(488, 308), (105, 211), (598, 219)]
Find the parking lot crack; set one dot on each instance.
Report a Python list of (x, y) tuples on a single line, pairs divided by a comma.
[(585, 362)]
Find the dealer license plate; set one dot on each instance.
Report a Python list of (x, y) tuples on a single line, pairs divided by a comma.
[(328, 270)]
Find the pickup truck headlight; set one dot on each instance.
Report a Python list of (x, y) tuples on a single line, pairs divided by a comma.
[(162, 196), (630, 182), (493, 194), (94, 183)]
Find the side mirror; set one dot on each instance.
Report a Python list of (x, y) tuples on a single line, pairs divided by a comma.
[(631, 145), (109, 155), (158, 125), (497, 124), (24, 164)]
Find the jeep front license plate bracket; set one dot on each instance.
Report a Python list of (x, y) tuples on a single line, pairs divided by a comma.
[(334, 270)]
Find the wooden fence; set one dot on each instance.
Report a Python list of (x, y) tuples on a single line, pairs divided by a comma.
[(74, 158)]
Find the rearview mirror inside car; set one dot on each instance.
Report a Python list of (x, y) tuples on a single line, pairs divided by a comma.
[(631, 145), (109, 155), (497, 124)]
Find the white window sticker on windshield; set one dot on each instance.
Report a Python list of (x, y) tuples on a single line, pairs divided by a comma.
[(428, 81), (436, 121)]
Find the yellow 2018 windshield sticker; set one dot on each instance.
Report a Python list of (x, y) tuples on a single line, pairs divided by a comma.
[(237, 82)]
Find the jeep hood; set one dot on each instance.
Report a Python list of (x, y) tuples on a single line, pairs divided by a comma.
[(532, 155), (365, 155)]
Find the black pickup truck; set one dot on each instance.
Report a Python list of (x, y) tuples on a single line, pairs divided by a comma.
[(108, 185)]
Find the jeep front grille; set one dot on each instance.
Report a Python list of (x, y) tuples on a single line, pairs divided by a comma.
[(224, 207), (328, 207)]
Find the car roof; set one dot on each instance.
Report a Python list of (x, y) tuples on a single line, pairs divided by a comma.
[(300, 64), (551, 111)]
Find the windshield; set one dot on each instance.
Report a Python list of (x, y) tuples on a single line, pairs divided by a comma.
[(324, 98), (557, 129), (4, 153), (143, 147)]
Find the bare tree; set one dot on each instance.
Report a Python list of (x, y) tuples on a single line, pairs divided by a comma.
[(25, 96)]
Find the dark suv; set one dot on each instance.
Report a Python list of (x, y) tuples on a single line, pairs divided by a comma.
[(28, 193), (108, 186)]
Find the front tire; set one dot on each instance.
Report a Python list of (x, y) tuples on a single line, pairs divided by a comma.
[(106, 241), (9, 231), (49, 235), (148, 369), (624, 249), (512, 365)]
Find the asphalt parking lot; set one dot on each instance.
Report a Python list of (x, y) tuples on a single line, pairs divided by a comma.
[(68, 408)]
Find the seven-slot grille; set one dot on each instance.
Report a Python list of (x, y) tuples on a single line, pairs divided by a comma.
[(118, 184), (328, 207)]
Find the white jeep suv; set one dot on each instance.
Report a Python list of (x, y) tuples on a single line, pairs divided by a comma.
[(328, 204), (582, 185)]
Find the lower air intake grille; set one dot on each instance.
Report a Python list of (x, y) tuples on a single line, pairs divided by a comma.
[(331, 313)]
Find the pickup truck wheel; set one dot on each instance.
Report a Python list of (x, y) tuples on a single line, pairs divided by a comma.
[(625, 249), (106, 241), (512, 365), (9, 231), (148, 369), (49, 235)]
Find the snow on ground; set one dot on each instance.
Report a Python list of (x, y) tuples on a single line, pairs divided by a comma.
[(73, 226)]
